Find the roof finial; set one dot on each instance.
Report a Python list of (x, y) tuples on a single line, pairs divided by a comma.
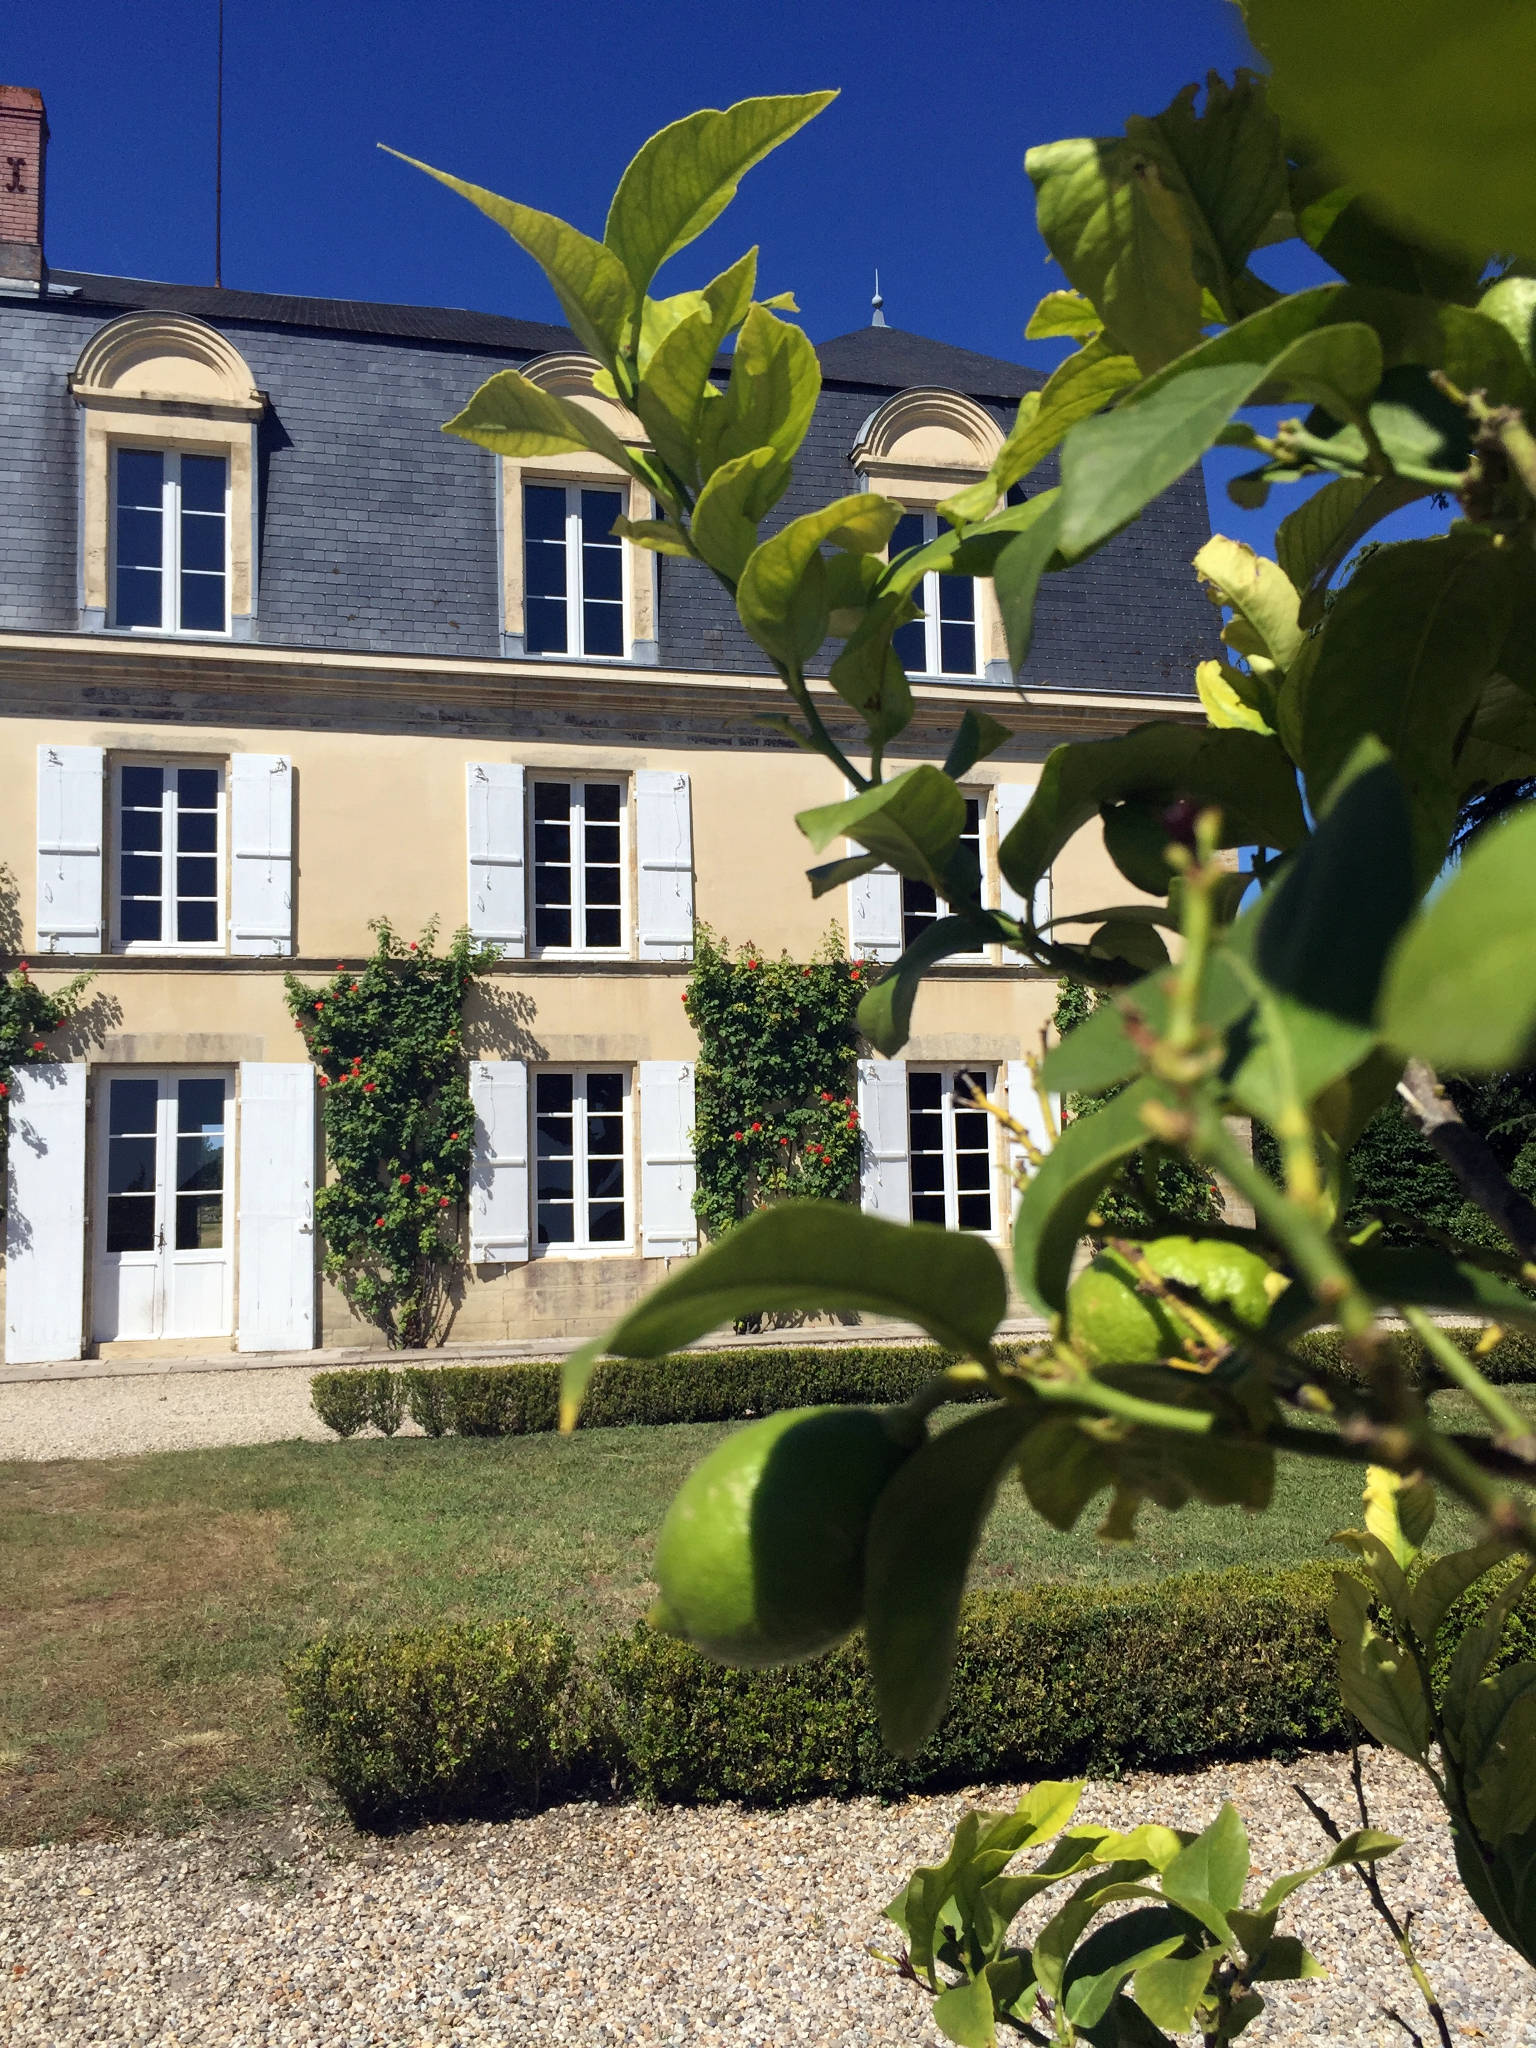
[(877, 317)]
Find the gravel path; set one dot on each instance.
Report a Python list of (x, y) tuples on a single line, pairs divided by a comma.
[(177, 1411), (605, 1925)]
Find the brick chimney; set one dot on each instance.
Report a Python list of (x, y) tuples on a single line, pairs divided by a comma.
[(23, 147)]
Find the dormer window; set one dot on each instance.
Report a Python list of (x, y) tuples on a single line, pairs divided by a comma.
[(574, 564)]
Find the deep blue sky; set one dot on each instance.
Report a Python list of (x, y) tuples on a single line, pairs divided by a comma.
[(916, 168)]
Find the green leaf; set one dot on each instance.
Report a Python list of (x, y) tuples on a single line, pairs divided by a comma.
[(774, 385), (727, 511), (1106, 214), (1460, 988), (1512, 302), (1230, 173), (1408, 649), (885, 1011), (1064, 313), (1099, 1054), (1017, 572), (1111, 1954), (686, 176), (1312, 541), (868, 674), (1443, 1581), (1432, 120), (977, 736), (510, 416), (1301, 347), (812, 1255), (1258, 591), (1498, 742), (1379, 1683), (1233, 701), (1286, 1961), (1168, 1991), (675, 375), (592, 285), (1055, 1204), (659, 535), (914, 822), (1213, 1869), (834, 874), (782, 594), (1076, 389), (1247, 776), (1426, 1278), (1329, 923), (925, 1527), (1131, 940), (963, 2014), (1498, 1740), (1062, 1468)]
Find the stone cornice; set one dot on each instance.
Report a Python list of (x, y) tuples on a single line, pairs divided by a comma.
[(117, 678)]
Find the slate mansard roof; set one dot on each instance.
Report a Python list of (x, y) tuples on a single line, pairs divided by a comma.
[(378, 532)]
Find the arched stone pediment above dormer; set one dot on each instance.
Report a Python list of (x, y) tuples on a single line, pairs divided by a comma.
[(161, 361), (570, 374), (929, 433)]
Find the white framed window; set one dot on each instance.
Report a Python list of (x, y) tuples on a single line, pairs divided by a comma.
[(170, 541), (945, 641), (952, 1148), (578, 858), (583, 1201), (168, 856), (921, 906), (573, 570)]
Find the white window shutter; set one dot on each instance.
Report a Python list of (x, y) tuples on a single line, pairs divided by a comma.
[(71, 814), (668, 1175), (45, 1214), (277, 1207), (499, 1178), (498, 885), (885, 1178), (1012, 802), (261, 854), (874, 914), (664, 861), (1024, 1107)]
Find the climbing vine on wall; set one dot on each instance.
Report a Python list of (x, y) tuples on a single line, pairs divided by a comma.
[(776, 1107), (399, 1126), (28, 1016)]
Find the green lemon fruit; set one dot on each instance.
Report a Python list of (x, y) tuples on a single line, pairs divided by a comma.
[(1112, 1323), (760, 1559)]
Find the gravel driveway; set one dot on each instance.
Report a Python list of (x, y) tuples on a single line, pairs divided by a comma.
[(117, 1416), (715, 1928)]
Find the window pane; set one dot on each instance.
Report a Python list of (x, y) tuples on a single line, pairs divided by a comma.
[(925, 1130), (197, 923), (143, 788), (957, 600), (927, 1208), (138, 597), (200, 1106), (140, 476), (202, 542), (602, 572), (545, 625), (199, 1223), (544, 512), (197, 789), (130, 1166), (928, 1173), (605, 1224), (602, 843), (556, 1223), (957, 649), (556, 1179), (599, 509), (196, 875), (553, 1094), (925, 1091), (602, 628), (605, 1134), (552, 846), (202, 604), (974, 1212), (202, 484), (602, 802), (141, 874), (196, 832), (911, 644), (546, 569), (141, 831), (605, 1092), (139, 538), (602, 885), (551, 927), (603, 928), (132, 1106), (130, 1223), (919, 908), (910, 533), (139, 922), (552, 800)]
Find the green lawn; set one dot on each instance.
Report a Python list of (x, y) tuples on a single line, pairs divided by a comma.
[(148, 1602)]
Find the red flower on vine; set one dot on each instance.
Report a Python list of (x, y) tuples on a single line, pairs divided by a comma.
[(22, 968), (783, 1141), (368, 1087), (442, 1201), (853, 1123), (354, 988), (826, 1094), (379, 1223), (451, 1136), (405, 1180), (757, 1127), (413, 945), (5, 1087), (805, 971), (38, 1045), (735, 1137), (320, 1004), (751, 963), (325, 1080), (853, 974)]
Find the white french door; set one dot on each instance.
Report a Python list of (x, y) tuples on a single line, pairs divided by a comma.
[(163, 1262)]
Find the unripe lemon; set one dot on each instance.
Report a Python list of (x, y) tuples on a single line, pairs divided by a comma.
[(760, 1559), (1111, 1323)]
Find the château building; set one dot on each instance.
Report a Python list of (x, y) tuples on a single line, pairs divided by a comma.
[(277, 656)]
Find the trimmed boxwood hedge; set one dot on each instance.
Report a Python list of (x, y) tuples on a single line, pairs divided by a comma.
[(709, 1386), (479, 1719)]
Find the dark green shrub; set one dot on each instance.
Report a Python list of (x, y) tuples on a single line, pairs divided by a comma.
[(477, 1717), (426, 1398), (341, 1400), (386, 1399), (1512, 1364), (1050, 1679)]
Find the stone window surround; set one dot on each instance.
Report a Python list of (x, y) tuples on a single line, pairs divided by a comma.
[(920, 447), (165, 380), (569, 375)]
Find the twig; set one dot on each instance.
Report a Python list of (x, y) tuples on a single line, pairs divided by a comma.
[(1468, 1156), (1366, 1872)]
